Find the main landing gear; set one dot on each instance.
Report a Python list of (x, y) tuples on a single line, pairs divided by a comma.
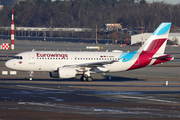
[(31, 75), (86, 77)]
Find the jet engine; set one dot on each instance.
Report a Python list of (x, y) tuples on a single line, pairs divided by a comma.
[(64, 72)]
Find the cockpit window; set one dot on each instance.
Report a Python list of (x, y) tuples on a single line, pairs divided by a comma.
[(17, 57)]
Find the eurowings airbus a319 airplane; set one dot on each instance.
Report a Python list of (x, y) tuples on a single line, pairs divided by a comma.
[(62, 64)]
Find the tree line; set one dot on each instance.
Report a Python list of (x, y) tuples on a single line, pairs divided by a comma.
[(89, 13)]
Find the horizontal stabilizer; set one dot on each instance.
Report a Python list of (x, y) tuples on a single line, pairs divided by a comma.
[(165, 57)]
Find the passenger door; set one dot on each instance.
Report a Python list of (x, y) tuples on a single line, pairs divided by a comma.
[(32, 58)]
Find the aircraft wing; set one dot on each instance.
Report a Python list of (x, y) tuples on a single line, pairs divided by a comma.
[(96, 64), (93, 64)]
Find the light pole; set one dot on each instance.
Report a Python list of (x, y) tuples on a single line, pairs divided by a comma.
[(108, 38)]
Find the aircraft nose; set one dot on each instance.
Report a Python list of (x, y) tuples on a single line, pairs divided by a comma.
[(8, 64)]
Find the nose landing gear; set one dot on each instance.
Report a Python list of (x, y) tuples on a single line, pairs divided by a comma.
[(31, 75)]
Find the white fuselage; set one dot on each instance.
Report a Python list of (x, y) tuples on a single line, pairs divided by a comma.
[(52, 60)]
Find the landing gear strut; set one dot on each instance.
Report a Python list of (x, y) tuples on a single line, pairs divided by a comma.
[(31, 75)]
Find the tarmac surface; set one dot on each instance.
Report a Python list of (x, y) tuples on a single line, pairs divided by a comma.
[(21, 99), (133, 95)]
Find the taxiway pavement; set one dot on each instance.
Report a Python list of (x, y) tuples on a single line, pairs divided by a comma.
[(67, 100)]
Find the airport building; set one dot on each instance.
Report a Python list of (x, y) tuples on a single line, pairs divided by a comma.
[(143, 37), (112, 26), (29, 31)]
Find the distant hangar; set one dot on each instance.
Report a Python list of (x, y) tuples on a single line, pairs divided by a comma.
[(143, 37)]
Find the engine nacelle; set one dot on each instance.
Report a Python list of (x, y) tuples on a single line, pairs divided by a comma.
[(64, 73)]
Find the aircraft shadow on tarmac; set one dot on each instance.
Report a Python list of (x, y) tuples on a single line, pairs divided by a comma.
[(105, 79), (117, 78)]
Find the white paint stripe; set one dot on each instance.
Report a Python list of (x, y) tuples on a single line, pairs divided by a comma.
[(81, 108), (4, 72), (13, 72), (41, 88), (158, 100), (54, 98)]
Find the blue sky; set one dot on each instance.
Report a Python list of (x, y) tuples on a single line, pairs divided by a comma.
[(166, 1)]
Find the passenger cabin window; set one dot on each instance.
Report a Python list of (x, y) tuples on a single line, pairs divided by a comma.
[(17, 57)]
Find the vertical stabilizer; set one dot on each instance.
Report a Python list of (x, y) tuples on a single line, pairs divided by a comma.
[(157, 41), (153, 48)]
